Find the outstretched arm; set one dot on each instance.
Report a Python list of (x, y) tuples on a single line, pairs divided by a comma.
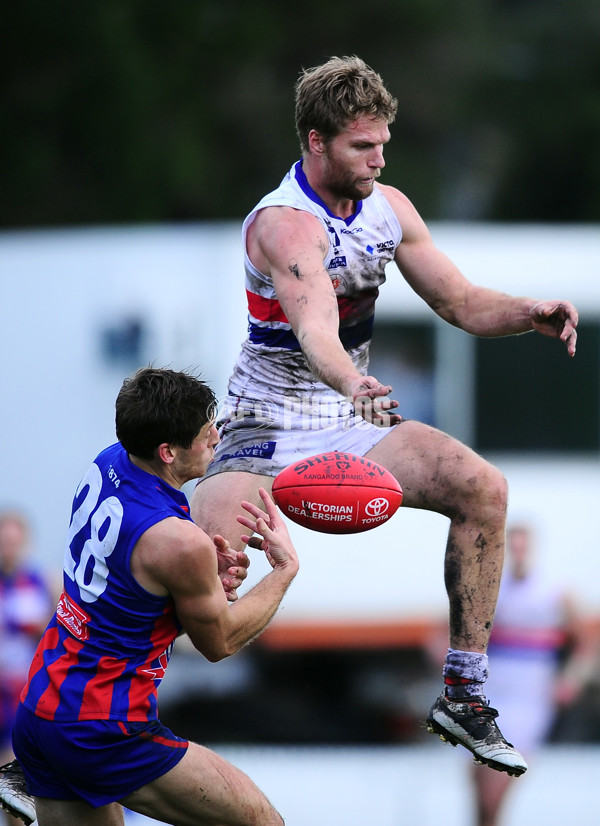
[(175, 557), (477, 310)]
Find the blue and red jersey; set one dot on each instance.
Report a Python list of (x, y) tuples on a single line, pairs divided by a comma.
[(106, 649)]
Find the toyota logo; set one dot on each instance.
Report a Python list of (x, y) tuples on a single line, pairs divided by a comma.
[(377, 507)]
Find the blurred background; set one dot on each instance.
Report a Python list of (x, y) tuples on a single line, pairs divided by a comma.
[(136, 136), (128, 112)]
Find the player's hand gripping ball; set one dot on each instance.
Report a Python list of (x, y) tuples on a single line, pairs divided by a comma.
[(337, 493)]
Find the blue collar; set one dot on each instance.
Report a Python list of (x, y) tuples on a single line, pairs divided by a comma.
[(310, 193)]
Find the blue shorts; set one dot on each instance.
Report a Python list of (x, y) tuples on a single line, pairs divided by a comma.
[(99, 761)]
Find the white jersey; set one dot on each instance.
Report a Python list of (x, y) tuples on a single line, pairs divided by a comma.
[(271, 363), (277, 410), (529, 618), (526, 638)]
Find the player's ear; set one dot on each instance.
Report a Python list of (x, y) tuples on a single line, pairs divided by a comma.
[(165, 453), (316, 142)]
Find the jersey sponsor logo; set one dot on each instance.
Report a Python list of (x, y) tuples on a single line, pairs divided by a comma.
[(72, 617), (382, 246), (351, 231), (338, 261)]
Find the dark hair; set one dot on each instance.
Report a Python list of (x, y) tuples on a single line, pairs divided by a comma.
[(338, 91), (158, 405)]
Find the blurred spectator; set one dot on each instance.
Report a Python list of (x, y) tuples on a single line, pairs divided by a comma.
[(26, 604), (539, 662)]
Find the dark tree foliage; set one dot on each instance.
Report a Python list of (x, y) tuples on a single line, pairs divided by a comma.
[(128, 111)]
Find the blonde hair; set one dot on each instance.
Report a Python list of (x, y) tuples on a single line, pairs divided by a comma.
[(338, 91)]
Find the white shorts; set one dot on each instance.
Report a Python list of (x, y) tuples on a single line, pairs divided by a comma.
[(264, 437)]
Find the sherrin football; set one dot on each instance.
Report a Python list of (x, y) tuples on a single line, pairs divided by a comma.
[(337, 493)]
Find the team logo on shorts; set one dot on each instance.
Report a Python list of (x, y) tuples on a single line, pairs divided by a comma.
[(260, 450)]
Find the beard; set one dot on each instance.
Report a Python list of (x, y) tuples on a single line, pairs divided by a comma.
[(346, 185)]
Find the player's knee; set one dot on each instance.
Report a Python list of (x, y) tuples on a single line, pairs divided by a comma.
[(485, 492), (496, 489)]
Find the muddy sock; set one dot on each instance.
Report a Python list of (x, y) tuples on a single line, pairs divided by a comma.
[(464, 672)]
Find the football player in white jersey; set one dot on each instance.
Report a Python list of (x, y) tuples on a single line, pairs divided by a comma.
[(540, 660), (301, 385)]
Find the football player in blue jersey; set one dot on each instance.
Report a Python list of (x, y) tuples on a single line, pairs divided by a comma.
[(137, 573), (315, 250)]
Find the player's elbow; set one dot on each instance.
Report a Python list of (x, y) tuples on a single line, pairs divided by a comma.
[(215, 656), (216, 650)]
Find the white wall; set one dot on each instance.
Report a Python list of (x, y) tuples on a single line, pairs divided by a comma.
[(59, 290)]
